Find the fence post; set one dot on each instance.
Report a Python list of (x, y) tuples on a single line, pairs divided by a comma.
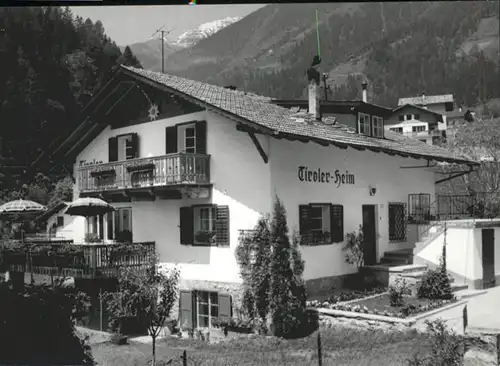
[(320, 358), (100, 307), (184, 358), (465, 318)]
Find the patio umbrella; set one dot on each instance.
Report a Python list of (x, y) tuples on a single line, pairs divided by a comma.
[(88, 207), (19, 207), (22, 208)]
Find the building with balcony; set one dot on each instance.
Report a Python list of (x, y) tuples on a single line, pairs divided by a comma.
[(418, 123), (188, 166)]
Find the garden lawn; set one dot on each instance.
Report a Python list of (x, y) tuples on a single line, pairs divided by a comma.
[(340, 345), (380, 305)]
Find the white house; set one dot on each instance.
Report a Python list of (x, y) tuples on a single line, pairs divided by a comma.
[(418, 123), (58, 225), (183, 162)]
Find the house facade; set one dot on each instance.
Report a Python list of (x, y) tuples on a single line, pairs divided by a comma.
[(189, 166), (418, 123)]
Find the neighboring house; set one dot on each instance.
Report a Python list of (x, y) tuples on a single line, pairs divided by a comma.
[(417, 123), (58, 224), (189, 165), (436, 103)]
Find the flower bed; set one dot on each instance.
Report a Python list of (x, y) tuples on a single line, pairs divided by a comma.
[(380, 305), (346, 296)]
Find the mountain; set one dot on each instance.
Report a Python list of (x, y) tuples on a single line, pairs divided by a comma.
[(149, 52), (402, 49), (191, 37)]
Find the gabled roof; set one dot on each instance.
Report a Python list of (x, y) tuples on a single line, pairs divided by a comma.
[(438, 115), (52, 210), (260, 114), (427, 99)]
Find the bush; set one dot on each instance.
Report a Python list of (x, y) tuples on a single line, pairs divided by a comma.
[(447, 348), (396, 292), (436, 285), (38, 326)]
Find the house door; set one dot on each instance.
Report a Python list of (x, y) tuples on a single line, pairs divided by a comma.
[(369, 235), (488, 250)]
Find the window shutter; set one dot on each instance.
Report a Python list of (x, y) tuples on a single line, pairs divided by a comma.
[(201, 137), (171, 140), (224, 306), (134, 147), (222, 226), (186, 309), (304, 226), (186, 225), (337, 223), (113, 149)]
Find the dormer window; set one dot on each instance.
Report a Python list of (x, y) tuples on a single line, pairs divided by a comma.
[(377, 126), (364, 124)]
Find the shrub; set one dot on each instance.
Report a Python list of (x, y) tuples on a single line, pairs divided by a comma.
[(353, 248), (435, 285), (447, 348), (396, 292)]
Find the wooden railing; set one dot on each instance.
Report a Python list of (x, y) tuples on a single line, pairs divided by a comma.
[(84, 260), (167, 170)]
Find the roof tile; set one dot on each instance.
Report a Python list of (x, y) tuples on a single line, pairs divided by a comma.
[(260, 110)]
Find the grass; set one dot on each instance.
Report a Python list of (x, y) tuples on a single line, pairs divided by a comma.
[(380, 305), (340, 346)]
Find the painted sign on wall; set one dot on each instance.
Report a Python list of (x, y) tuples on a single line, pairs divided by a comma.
[(319, 176), (91, 162)]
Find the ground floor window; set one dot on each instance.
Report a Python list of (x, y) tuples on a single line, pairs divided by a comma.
[(198, 308), (397, 221), (419, 206), (321, 223), (119, 224)]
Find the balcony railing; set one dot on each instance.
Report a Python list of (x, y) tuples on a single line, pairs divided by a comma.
[(78, 260), (167, 170)]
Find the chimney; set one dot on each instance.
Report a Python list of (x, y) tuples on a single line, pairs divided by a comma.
[(314, 98), (364, 85), (423, 98)]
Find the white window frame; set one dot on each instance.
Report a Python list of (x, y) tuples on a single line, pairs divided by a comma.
[(192, 149), (209, 304), (325, 222), (122, 146), (203, 220), (366, 122), (377, 126), (120, 222)]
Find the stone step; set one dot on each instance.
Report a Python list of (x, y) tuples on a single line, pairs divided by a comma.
[(459, 287), (408, 268), (404, 255), (468, 293), (396, 261), (416, 275)]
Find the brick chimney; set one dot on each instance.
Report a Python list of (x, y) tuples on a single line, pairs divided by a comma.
[(423, 98), (364, 85), (314, 97)]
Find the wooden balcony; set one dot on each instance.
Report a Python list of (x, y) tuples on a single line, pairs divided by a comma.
[(173, 170), (90, 261)]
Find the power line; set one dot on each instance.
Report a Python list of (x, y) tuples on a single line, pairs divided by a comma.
[(163, 32)]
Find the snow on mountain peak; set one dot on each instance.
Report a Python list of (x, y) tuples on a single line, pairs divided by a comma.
[(191, 37)]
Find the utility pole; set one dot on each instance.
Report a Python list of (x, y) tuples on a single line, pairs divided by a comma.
[(326, 87), (162, 32)]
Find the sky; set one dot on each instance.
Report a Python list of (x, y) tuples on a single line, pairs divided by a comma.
[(129, 24)]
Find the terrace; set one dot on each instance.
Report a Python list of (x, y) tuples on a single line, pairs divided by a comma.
[(63, 258)]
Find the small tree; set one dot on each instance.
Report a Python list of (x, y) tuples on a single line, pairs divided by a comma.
[(479, 140), (287, 290), (149, 296)]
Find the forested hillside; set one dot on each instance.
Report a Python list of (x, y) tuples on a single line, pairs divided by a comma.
[(403, 49), (52, 63)]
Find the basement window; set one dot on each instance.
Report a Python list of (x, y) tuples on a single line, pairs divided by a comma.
[(364, 124), (397, 221), (321, 224), (199, 309)]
